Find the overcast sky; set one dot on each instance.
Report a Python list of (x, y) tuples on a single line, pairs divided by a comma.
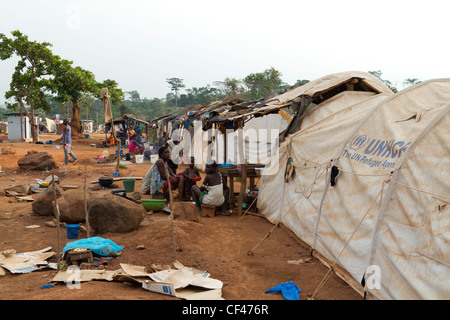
[(142, 43)]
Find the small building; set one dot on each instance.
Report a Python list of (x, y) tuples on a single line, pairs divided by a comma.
[(16, 131)]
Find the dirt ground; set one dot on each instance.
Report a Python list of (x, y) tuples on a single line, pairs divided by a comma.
[(218, 245)]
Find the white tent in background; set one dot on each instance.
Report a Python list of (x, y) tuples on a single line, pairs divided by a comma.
[(370, 188), (51, 125)]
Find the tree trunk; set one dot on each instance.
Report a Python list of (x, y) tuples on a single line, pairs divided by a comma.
[(34, 127), (75, 123), (34, 132)]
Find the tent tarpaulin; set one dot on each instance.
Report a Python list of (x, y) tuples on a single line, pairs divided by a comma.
[(388, 209)]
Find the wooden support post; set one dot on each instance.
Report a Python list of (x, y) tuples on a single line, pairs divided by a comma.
[(86, 213), (242, 162), (171, 217), (56, 212)]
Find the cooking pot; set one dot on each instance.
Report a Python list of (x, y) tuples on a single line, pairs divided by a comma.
[(105, 181)]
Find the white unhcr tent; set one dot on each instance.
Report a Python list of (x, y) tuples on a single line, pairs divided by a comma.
[(370, 189)]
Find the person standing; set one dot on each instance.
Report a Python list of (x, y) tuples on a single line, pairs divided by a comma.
[(67, 143)]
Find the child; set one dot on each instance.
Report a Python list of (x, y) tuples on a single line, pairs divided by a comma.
[(213, 189), (191, 176)]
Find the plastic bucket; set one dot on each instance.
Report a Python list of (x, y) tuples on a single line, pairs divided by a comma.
[(72, 231), (139, 158), (128, 185)]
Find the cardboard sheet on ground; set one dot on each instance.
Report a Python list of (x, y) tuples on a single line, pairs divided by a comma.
[(185, 283), (84, 275), (25, 262)]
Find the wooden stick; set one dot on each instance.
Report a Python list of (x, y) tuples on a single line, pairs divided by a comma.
[(171, 212), (243, 166), (56, 212), (118, 155), (120, 179), (86, 213)]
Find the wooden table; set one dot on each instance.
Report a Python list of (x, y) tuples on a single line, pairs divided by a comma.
[(232, 173)]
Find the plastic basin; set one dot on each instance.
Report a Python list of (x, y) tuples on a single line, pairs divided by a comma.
[(153, 204)]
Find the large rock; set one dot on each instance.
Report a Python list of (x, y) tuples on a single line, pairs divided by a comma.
[(37, 161), (71, 206), (8, 150), (43, 202), (111, 213)]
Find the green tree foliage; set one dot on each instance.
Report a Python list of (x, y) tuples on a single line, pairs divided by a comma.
[(410, 82), (262, 84), (29, 80), (116, 95), (71, 84), (39, 71), (233, 87), (175, 85), (389, 84), (134, 95), (301, 82), (75, 83)]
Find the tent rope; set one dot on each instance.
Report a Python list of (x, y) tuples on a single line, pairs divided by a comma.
[(328, 165), (363, 174), (421, 190), (254, 200), (331, 270)]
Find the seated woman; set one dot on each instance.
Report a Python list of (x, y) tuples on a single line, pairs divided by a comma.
[(134, 147), (156, 179), (213, 191)]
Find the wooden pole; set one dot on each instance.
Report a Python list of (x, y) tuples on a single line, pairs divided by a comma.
[(56, 212), (21, 125), (117, 141), (118, 155), (171, 212), (86, 213), (243, 165)]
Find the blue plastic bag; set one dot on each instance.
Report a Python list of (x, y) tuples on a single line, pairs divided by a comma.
[(98, 245), (289, 290)]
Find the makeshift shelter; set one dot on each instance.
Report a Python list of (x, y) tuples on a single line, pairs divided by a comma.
[(212, 132), (363, 179), (127, 122)]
